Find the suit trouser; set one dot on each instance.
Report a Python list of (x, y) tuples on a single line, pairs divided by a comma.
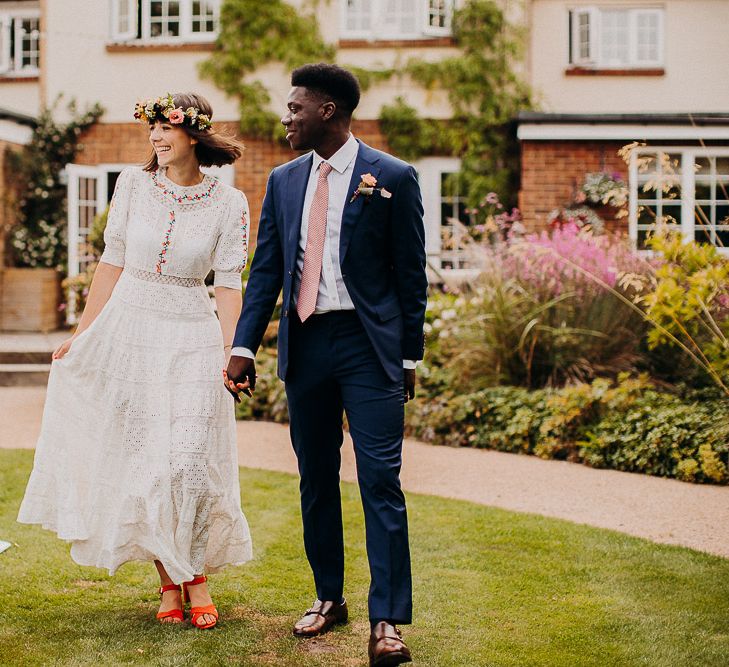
[(334, 368)]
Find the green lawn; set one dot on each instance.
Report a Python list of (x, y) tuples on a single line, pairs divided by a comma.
[(491, 588)]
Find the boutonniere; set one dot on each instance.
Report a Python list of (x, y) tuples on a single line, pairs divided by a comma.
[(367, 187)]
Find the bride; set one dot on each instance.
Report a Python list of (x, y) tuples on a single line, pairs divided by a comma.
[(137, 455)]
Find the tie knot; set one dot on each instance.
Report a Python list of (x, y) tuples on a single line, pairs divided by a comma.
[(324, 169)]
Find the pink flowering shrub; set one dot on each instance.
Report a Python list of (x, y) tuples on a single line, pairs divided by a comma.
[(570, 260), (547, 310)]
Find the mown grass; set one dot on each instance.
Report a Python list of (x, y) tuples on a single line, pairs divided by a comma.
[(491, 588)]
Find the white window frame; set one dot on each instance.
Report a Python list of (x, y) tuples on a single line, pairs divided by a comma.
[(381, 31), (11, 22), (130, 8), (437, 31), (594, 59), (121, 10), (689, 155), (430, 171)]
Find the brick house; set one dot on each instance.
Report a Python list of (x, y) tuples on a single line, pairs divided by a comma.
[(610, 72), (118, 51)]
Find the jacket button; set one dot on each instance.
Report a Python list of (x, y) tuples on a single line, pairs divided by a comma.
[(286, 312), (291, 273)]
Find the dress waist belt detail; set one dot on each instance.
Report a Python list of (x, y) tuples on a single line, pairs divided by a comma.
[(165, 279)]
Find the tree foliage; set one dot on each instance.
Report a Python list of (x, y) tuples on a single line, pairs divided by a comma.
[(39, 237)]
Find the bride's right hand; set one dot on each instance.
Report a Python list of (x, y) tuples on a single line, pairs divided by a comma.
[(63, 348)]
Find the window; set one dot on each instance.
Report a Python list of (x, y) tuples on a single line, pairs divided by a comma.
[(687, 188), (395, 19), (165, 20), (20, 43), (623, 38), (445, 218)]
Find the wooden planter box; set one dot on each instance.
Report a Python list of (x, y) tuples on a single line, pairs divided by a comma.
[(29, 299)]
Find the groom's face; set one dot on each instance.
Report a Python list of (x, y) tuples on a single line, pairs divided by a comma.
[(305, 119)]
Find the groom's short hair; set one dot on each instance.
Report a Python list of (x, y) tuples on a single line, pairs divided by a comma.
[(331, 81)]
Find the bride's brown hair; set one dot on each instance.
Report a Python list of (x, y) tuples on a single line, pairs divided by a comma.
[(213, 148)]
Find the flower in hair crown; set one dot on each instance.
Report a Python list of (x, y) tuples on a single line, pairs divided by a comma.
[(164, 109)]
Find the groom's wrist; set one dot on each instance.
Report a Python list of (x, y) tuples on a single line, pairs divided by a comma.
[(242, 352), (409, 364)]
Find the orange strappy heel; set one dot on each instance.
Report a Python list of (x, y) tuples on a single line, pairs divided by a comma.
[(172, 613), (197, 612)]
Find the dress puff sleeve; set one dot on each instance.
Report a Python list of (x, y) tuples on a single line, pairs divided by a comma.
[(115, 233), (231, 251)]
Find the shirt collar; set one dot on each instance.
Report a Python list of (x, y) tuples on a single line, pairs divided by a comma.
[(341, 160)]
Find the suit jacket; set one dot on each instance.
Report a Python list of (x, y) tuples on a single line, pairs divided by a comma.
[(382, 256)]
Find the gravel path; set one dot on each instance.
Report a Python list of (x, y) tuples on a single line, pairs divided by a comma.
[(661, 510)]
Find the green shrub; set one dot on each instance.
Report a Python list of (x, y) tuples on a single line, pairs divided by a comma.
[(627, 426)]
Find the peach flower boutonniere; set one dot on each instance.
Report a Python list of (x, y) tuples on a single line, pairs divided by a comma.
[(367, 188)]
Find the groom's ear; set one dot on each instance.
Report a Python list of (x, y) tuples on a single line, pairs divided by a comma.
[(328, 109)]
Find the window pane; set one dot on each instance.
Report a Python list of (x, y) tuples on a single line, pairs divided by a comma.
[(647, 26), (438, 13), (29, 44), (164, 18), (615, 38), (359, 15), (400, 17), (204, 16), (583, 32)]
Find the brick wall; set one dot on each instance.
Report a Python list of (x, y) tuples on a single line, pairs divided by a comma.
[(552, 171), (128, 143)]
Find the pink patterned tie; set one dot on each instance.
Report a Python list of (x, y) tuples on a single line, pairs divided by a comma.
[(311, 273)]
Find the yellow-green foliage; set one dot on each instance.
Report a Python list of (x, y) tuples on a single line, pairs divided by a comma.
[(690, 301)]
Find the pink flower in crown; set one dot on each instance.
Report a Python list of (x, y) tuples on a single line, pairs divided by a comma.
[(177, 116)]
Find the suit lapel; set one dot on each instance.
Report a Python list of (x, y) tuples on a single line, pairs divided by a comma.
[(298, 177), (353, 210)]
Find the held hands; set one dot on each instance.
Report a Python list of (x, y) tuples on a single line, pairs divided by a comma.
[(240, 376), (63, 348)]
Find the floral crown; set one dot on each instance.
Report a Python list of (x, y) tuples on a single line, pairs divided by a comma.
[(164, 109)]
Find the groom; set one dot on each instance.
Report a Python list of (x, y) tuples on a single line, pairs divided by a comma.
[(341, 232)]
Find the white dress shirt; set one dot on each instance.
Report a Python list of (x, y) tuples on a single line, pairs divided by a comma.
[(333, 293)]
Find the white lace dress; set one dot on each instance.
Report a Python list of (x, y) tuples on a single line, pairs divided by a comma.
[(137, 456)]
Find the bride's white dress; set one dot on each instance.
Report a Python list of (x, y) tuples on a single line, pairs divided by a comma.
[(137, 455)]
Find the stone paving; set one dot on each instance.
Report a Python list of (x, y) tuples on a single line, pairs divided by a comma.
[(662, 510)]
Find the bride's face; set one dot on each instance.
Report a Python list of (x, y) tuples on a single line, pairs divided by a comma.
[(173, 146)]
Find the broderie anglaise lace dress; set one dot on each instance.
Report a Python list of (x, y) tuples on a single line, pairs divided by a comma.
[(137, 455)]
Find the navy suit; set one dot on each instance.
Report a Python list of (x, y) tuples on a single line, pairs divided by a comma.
[(348, 361)]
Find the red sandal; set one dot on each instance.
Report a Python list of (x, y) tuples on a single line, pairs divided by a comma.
[(197, 612), (177, 614)]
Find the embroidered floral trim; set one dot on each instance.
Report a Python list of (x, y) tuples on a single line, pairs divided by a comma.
[(184, 197), (166, 243)]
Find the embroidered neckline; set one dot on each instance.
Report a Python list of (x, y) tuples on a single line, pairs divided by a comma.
[(181, 194)]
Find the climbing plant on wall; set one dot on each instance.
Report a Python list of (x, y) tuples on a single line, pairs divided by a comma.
[(38, 239), (253, 34), (484, 91)]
